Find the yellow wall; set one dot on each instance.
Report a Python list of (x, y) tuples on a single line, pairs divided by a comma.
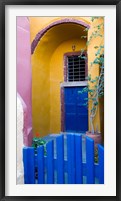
[(94, 71), (40, 92), (47, 70), (39, 23)]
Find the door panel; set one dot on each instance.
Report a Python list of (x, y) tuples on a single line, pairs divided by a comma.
[(70, 125), (70, 94), (72, 106), (76, 113)]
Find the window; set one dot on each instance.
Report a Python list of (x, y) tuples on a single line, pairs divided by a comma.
[(75, 68)]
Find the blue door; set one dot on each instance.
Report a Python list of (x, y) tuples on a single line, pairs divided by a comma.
[(76, 113)]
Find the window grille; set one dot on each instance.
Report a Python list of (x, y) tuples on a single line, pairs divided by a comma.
[(76, 68)]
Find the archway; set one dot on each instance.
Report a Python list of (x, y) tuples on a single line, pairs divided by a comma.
[(62, 21), (48, 48)]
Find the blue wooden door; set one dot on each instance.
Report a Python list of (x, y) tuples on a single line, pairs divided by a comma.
[(76, 113)]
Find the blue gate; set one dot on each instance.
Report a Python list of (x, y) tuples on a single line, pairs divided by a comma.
[(65, 161), (76, 113)]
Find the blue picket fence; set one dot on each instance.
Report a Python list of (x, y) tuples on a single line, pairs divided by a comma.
[(56, 168)]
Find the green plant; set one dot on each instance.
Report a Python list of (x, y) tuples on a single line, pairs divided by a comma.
[(95, 87), (36, 142), (96, 155)]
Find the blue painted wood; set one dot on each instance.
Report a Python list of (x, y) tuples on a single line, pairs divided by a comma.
[(76, 113), (40, 164), (71, 158), (60, 159), (96, 167), (101, 164), (82, 110), (50, 162), (29, 165), (90, 161), (74, 167), (78, 159), (26, 178)]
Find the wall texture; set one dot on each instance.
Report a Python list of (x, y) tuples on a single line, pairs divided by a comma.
[(20, 125), (96, 41), (47, 74), (48, 65), (24, 76)]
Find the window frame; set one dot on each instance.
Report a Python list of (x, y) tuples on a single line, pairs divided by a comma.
[(66, 55)]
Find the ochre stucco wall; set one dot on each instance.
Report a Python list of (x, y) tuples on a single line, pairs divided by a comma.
[(41, 90), (94, 71), (47, 70), (39, 23)]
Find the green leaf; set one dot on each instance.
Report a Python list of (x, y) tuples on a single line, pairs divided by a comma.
[(83, 36), (80, 92), (101, 60), (83, 57), (96, 103), (98, 52), (87, 43), (86, 29), (96, 61), (101, 46), (96, 47), (94, 80)]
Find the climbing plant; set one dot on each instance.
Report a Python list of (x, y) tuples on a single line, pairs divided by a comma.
[(38, 141), (95, 87)]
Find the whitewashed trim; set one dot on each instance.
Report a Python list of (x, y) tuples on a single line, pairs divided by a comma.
[(73, 84)]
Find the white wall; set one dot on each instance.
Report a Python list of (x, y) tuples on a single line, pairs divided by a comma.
[(20, 125)]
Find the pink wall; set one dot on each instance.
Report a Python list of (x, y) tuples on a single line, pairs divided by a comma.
[(24, 75)]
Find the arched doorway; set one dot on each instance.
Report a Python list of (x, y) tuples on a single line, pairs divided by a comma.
[(48, 48)]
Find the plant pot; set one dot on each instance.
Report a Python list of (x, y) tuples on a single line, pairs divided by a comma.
[(96, 137)]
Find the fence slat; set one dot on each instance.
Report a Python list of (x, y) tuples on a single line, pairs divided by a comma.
[(101, 164), (71, 158), (78, 158), (50, 162), (29, 165), (74, 167), (60, 159), (40, 164), (90, 161)]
